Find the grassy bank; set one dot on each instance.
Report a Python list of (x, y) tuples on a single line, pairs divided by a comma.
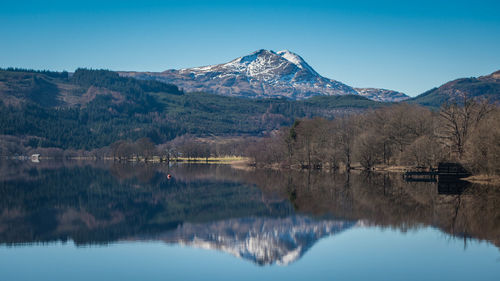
[(225, 159)]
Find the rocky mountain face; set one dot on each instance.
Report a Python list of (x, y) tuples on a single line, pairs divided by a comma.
[(381, 94), (261, 74), (264, 241)]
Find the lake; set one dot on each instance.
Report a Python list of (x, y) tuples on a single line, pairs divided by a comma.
[(116, 221)]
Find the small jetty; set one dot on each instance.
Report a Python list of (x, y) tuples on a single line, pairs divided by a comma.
[(445, 172)]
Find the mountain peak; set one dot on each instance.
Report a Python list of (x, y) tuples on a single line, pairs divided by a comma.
[(495, 75), (253, 56), (260, 74), (263, 51), (269, 57), (297, 60)]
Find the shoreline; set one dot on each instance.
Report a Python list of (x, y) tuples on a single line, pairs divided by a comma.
[(477, 179), (153, 159), (245, 163)]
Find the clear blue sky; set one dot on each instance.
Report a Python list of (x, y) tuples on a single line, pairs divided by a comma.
[(410, 46)]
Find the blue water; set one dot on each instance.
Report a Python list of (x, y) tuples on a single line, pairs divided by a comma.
[(357, 254), (101, 222)]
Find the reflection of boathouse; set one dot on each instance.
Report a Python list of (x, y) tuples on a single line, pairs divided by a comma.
[(447, 175), (445, 172)]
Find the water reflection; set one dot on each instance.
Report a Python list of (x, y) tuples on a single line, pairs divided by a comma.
[(261, 240), (267, 217), (453, 187)]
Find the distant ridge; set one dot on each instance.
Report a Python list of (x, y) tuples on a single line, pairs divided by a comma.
[(382, 94), (487, 86)]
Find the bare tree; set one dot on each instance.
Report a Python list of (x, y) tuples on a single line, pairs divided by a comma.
[(368, 148), (483, 146), (347, 134), (458, 119)]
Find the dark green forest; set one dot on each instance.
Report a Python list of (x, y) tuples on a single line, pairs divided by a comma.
[(95, 108)]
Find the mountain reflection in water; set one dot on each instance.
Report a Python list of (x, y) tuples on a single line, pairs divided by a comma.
[(267, 217), (261, 240)]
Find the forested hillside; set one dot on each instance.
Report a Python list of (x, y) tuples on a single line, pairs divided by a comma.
[(94, 108), (91, 109)]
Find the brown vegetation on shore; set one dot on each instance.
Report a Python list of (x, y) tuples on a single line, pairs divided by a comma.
[(390, 138)]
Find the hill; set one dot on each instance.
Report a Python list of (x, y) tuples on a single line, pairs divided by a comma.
[(94, 108), (482, 87)]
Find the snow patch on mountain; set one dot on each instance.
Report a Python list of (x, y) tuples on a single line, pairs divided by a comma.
[(297, 60), (383, 95)]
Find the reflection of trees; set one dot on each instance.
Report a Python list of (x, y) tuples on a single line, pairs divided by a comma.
[(140, 171), (90, 205), (94, 204), (386, 200), (376, 198)]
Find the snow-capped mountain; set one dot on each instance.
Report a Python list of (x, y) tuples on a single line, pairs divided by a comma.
[(264, 241), (261, 74), (381, 94)]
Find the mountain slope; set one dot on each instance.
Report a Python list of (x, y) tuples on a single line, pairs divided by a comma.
[(383, 95), (261, 74), (482, 87)]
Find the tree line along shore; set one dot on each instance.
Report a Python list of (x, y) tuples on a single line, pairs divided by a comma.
[(464, 131), (396, 137)]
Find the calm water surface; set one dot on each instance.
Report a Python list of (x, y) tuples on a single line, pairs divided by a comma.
[(108, 221)]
